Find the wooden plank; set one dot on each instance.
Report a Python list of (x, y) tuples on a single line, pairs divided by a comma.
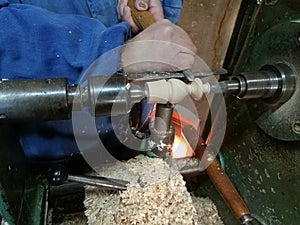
[(210, 24)]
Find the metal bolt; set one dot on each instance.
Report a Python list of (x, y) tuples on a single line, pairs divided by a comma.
[(296, 127)]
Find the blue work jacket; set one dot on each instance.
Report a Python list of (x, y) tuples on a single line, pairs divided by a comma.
[(61, 38)]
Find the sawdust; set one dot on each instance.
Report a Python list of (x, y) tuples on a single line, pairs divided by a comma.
[(156, 195)]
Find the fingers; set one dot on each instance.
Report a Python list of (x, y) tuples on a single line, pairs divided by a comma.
[(158, 56), (120, 8), (156, 10), (153, 6), (124, 14), (128, 18), (161, 47), (167, 31), (182, 61), (142, 4)]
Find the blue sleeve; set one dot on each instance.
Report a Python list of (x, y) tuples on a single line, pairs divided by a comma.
[(36, 43), (102, 10), (172, 9), (39, 43)]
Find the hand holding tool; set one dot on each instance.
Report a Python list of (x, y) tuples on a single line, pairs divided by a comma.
[(143, 19)]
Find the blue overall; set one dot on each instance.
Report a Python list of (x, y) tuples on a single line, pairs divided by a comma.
[(61, 38)]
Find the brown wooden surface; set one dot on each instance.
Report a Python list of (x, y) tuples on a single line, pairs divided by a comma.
[(143, 19), (210, 24)]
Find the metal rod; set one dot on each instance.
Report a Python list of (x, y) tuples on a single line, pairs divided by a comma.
[(229, 86), (102, 182), (163, 117)]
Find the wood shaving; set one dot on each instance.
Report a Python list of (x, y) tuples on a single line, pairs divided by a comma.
[(206, 211), (156, 195)]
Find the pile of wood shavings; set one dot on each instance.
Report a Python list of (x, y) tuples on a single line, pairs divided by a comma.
[(156, 195)]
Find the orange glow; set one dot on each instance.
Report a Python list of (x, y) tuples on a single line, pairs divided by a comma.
[(181, 148)]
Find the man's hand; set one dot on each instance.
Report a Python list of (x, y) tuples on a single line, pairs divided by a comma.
[(153, 6), (163, 46)]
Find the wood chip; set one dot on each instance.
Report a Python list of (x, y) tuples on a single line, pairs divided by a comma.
[(156, 195)]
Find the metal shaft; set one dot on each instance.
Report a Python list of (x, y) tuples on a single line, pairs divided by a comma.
[(163, 117), (228, 86), (274, 83), (105, 93), (162, 130), (43, 99), (101, 182), (54, 99)]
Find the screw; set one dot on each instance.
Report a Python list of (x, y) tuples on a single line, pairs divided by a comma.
[(296, 127)]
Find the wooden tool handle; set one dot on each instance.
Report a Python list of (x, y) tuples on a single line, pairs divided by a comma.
[(143, 19), (223, 184)]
